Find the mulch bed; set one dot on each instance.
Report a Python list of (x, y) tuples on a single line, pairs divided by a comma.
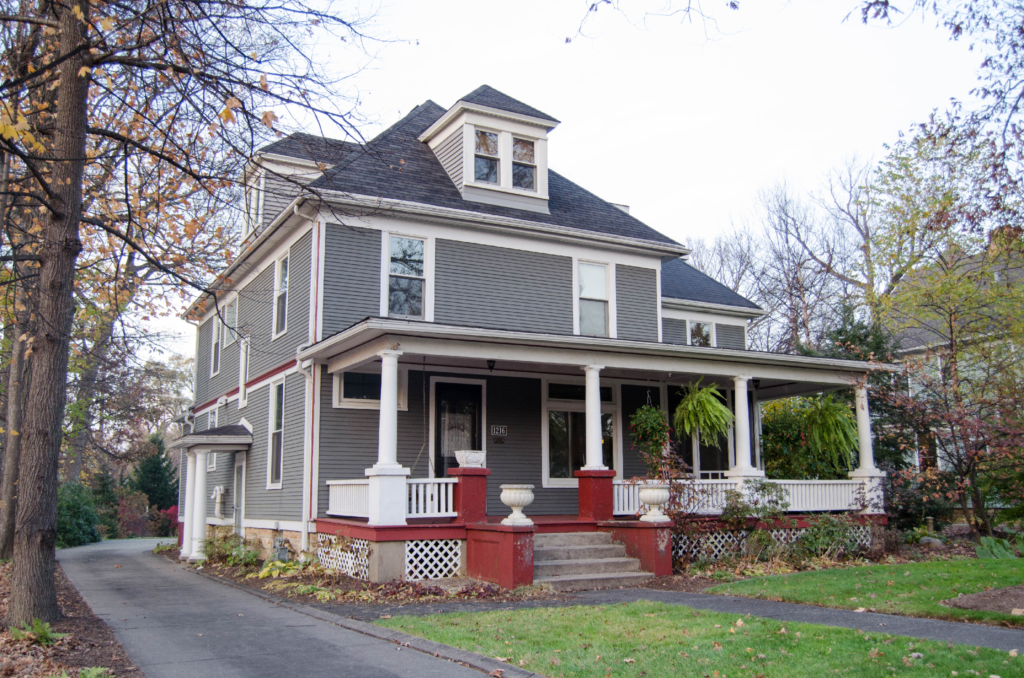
[(1004, 600), (89, 643), (681, 582)]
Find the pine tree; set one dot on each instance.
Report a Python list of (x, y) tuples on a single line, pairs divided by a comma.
[(155, 476)]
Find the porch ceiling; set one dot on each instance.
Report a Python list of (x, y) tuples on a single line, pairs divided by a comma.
[(447, 346)]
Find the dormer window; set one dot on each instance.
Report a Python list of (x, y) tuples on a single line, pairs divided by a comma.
[(487, 157), (524, 165)]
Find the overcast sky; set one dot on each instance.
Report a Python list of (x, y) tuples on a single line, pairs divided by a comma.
[(682, 127)]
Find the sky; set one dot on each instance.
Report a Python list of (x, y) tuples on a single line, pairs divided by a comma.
[(683, 121)]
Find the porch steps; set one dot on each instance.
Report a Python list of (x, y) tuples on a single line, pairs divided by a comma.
[(583, 560)]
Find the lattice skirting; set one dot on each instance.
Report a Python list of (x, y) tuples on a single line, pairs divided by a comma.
[(714, 545), (432, 558), (351, 556)]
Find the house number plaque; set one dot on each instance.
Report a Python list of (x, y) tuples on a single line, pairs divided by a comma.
[(499, 430)]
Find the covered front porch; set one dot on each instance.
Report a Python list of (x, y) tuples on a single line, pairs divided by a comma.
[(548, 411)]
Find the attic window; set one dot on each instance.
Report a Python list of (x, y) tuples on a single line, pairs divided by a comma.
[(524, 165), (486, 161)]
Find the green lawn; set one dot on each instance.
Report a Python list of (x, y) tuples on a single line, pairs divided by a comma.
[(658, 639), (914, 589)]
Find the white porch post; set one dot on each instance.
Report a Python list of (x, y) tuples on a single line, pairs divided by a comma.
[(387, 477), (190, 493), (867, 472), (595, 451), (741, 427), (199, 508)]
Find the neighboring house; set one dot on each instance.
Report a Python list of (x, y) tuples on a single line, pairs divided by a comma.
[(441, 289)]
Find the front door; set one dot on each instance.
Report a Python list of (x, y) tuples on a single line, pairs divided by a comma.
[(239, 496), (458, 408)]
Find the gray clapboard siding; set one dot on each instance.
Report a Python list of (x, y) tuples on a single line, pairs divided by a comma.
[(202, 375), (182, 473), (730, 336), (286, 503), (636, 300), (484, 286), (278, 192), (348, 441), (673, 331), (449, 152), (633, 398), (256, 311), (351, 276)]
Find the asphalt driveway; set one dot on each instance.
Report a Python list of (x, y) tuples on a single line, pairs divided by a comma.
[(174, 624)]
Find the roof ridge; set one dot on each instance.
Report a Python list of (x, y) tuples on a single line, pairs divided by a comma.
[(364, 149)]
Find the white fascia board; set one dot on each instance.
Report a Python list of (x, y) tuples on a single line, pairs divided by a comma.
[(480, 220), (501, 344), (462, 106), (724, 309), (269, 235), (215, 443)]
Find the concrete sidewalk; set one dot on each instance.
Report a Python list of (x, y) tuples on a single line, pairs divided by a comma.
[(174, 624)]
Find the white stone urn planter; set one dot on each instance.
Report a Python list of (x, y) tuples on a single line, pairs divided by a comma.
[(471, 458), (517, 497), (654, 496)]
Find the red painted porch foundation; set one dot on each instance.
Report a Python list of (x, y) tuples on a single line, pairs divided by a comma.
[(471, 494), (500, 554), (650, 543), (595, 495)]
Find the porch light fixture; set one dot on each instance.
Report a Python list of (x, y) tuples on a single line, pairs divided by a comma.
[(757, 384), (490, 365)]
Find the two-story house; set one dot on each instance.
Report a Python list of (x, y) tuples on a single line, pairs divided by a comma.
[(441, 289)]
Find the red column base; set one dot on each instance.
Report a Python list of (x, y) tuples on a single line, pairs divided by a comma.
[(500, 554), (471, 493), (595, 494), (651, 543)]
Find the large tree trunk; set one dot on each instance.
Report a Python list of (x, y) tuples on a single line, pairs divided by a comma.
[(12, 457), (33, 593)]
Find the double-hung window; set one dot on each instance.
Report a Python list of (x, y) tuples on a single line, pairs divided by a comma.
[(276, 461), (211, 458), (486, 160), (593, 299), (231, 323), (215, 348), (254, 202), (281, 297), (700, 334), (243, 375), (406, 278), (524, 165)]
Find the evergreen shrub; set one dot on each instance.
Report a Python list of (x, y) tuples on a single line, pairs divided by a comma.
[(76, 516)]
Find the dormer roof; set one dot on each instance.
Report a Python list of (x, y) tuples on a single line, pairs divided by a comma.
[(485, 95)]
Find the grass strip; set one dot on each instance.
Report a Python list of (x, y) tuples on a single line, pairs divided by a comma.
[(913, 589), (658, 639)]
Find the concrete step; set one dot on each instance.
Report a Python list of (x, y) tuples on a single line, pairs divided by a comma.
[(578, 552), (556, 568), (557, 539), (583, 582)]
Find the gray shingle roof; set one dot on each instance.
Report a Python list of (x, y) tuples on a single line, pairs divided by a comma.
[(311, 147), (485, 95), (394, 165), (225, 431), (679, 280)]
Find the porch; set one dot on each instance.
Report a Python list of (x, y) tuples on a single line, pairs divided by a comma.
[(549, 411)]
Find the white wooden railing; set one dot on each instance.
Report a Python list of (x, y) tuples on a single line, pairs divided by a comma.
[(707, 497), (349, 498), (430, 498)]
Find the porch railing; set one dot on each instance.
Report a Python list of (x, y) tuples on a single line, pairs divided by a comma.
[(430, 498), (707, 497), (349, 498)]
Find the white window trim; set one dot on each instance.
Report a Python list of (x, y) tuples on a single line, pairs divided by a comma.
[(254, 213), (230, 333), (270, 435), (535, 164), (613, 408), (239, 461), (714, 335), (212, 418), (243, 373), (432, 432), (504, 184), (428, 272), (500, 157), (287, 302), (339, 400), (216, 346), (609, 279), (211, 461)]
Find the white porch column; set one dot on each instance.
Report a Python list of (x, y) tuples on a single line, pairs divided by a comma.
[(867, 472), (199, 508), (190, 493), (595, 451), (741, 427), (387, 477)]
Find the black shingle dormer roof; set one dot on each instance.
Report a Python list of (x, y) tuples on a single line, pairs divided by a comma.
[(312, 148), (485, 95), (680, 280), (395, 165)]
